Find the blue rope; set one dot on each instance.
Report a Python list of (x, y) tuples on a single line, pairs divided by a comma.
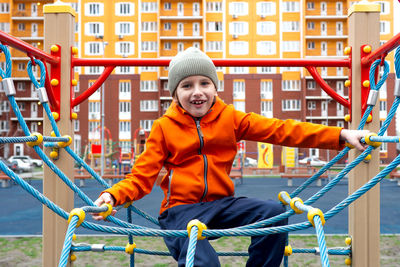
[(42, 73), (397, 62), (68, 241), (7, 72), (372, 75), (192, 246)]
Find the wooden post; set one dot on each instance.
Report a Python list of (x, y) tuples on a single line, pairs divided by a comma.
[(364, 214), (59, 29)]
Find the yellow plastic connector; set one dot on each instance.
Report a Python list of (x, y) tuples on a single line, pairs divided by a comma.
[(74, 115), (37, 142), (366, 83), (53, 134), (349, 145), (347, 83), (347, 261), (74, 50), (129, 248), (127, 204), (369, 118), (54, 154), (347, 118), (105, 214), (64, 144), (288, 250), (54, 48), (73, 237), (371, 143), (347, 50), (77, 212), (281, 198), (347, 241), (200, 226), (293, 206), (74, 82), (367, 158), (54, 82), (367, 49), (315, 212), (73, 257), (55, 115)]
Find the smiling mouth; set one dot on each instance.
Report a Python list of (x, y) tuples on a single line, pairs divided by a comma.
[(198, 102)]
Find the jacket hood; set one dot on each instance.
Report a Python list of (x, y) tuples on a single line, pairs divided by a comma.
[(178, 114)]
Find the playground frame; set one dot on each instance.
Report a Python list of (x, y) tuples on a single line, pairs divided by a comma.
[(60, 59)]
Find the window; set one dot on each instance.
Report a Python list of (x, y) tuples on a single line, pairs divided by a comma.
[(213, 46), (311, 45), (125, 9), (239, 48), (339, 8), (94, 9), (266, 69), (266, 48), (266, 28), (93, 48), (124, 28), (215, 6), (310, 5), (5, 26), (310, 25), (125, 107), (4, 126), (239, 90), (149, 26), (167, 6), (149, 46), (21, 7), (76, 125), (148, 105), (243, 70), (4, 8), (21, 86), (5, 106), (124, 48), (21, 66), (290, 85), (148, 69), (238, 28), (311, 105), (238, 8), (149, 7), (311, 85), (21, 26), (94, 28), (125, 126), (240, 105), (214, 26), (291, 105), (290, 26), (94, 70), (266, 109), (266, 89), (220, 86), (125, 90), (21, 106), (167, 26), (94, 107), (167, 46), (291, 6), (290, 46), (75, 6), (266, 8), (125, 70), (146, 124), (148, 86), (384, 27), (385, 7)]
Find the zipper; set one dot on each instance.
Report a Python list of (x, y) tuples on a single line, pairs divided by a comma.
[(169, 188), (201, 138)]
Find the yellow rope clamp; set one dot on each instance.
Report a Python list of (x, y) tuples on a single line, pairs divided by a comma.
[(315, 212), (293, 206), (349, 145), (127, 204), (281, 198), (129, 248), (54, 153), (64, 144), (55, 115), (37, 142), (73, 257), (347, 261), (200, 226), (347, 241), (371, 143), (105, 214), (288, 250), (77, 212)]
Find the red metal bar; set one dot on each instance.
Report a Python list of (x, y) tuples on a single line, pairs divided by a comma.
[(27, 48), (384, 49), (107, 71), (54, 104), (255, 62), (314, 73)]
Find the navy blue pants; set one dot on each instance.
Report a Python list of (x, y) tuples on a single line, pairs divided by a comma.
[(220, 214)]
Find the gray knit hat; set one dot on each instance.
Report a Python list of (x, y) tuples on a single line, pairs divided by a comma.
[(190, 62)]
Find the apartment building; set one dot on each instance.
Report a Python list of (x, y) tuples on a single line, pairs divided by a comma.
[(135, 96)]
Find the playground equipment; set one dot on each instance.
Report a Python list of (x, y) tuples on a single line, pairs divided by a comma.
[(55, 95)]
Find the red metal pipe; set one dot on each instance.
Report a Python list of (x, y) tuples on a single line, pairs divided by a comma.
[(382, 50), (218, 62), (314, 73), (107, 71), (27, 48)]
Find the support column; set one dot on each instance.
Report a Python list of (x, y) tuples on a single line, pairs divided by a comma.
[(59, 19), (364, 221)]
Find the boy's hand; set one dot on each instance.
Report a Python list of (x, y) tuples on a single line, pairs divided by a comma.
[(353, 137), (105, 198)]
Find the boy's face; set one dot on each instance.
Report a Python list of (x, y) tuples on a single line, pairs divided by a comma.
[(196, 95)]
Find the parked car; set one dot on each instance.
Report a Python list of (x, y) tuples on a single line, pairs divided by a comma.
[(313, 161), (11, 165), (23, 164), (33, 162), (250, 162)]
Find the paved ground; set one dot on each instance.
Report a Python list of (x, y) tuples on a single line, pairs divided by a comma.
[(22, 214)]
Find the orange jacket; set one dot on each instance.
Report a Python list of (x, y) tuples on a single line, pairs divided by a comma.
[(198, 154)]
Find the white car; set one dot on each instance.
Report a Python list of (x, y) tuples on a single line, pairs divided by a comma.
[(32, 162), (314, 161), (23, 164)]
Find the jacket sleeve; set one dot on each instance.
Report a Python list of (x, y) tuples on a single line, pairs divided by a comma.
[(144, 173), (290, 133)]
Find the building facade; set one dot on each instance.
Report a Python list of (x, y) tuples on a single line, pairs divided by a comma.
[(135, 96)]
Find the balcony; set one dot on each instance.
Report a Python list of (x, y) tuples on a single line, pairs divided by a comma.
[(324, 37), (326, 17), (181, 18), (25, 15)]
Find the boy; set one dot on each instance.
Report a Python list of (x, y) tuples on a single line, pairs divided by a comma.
[(195, 141)]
